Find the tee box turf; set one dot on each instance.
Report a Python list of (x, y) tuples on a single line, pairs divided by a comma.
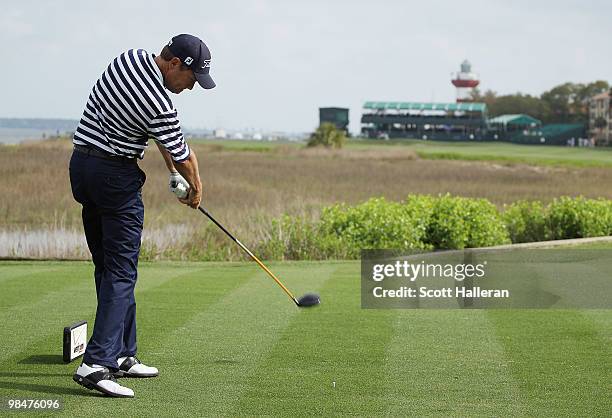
[(75, 340)]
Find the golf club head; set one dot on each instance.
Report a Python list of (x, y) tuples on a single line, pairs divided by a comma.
[(308, 300)]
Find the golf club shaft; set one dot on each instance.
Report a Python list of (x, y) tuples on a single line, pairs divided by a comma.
[(205, 212)]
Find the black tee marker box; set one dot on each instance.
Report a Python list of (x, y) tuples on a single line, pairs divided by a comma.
[(75, 340)]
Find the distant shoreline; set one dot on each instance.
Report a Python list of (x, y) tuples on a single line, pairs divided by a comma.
[(17, 135)]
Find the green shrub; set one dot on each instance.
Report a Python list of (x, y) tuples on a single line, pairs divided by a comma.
[(579, 218), (426, 222), (377, 223), (420, 208), (526, 221), (458, 222)]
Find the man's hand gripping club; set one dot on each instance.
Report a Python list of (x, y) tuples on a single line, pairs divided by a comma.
[(178, 185), (184, 179)]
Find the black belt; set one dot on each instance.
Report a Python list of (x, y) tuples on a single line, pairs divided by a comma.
[(101, 154)]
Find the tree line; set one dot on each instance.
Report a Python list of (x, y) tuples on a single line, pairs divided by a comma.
[(565, 103)]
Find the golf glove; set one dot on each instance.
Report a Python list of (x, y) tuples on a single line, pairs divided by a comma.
[(178, 185)]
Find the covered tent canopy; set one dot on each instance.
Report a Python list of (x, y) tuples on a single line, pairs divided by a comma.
[(520, 120)]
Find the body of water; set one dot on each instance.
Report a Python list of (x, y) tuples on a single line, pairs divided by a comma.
[(15, 136)]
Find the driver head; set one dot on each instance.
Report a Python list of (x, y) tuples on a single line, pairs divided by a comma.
[(308, 300)]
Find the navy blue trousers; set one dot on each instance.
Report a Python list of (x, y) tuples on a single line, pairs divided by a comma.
[(113, 216)]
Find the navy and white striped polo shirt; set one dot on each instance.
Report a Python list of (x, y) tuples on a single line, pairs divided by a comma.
[(127, 106)]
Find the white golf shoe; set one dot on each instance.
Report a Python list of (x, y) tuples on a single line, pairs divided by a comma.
[(132, 367), (101, 379)]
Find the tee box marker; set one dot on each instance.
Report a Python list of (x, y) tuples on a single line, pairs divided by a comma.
[(75, 341)]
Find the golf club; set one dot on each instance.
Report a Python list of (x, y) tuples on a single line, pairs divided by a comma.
[(181, 190), (308, 300)]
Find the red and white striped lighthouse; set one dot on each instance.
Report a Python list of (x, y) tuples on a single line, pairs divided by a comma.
[(465, 81)]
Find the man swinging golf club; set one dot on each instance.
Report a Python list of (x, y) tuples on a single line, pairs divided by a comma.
[(127, 105)]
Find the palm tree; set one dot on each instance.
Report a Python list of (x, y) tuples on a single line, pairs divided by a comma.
[(327, 135)]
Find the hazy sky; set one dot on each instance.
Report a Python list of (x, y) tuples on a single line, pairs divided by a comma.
[(275, 62)]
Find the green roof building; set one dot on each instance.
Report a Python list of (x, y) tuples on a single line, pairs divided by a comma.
[(423, 120), (462, 121)]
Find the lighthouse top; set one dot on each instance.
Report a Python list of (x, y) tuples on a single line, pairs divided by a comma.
[(466, 67)]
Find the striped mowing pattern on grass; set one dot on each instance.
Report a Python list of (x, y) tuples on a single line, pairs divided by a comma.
[(228, 342), (573, 377), (451, 364)]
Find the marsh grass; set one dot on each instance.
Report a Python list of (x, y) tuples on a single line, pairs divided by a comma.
[(246, 188)]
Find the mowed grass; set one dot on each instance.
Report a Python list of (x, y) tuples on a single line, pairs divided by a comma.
[(504, 152), (228, 342), (500, 152)]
